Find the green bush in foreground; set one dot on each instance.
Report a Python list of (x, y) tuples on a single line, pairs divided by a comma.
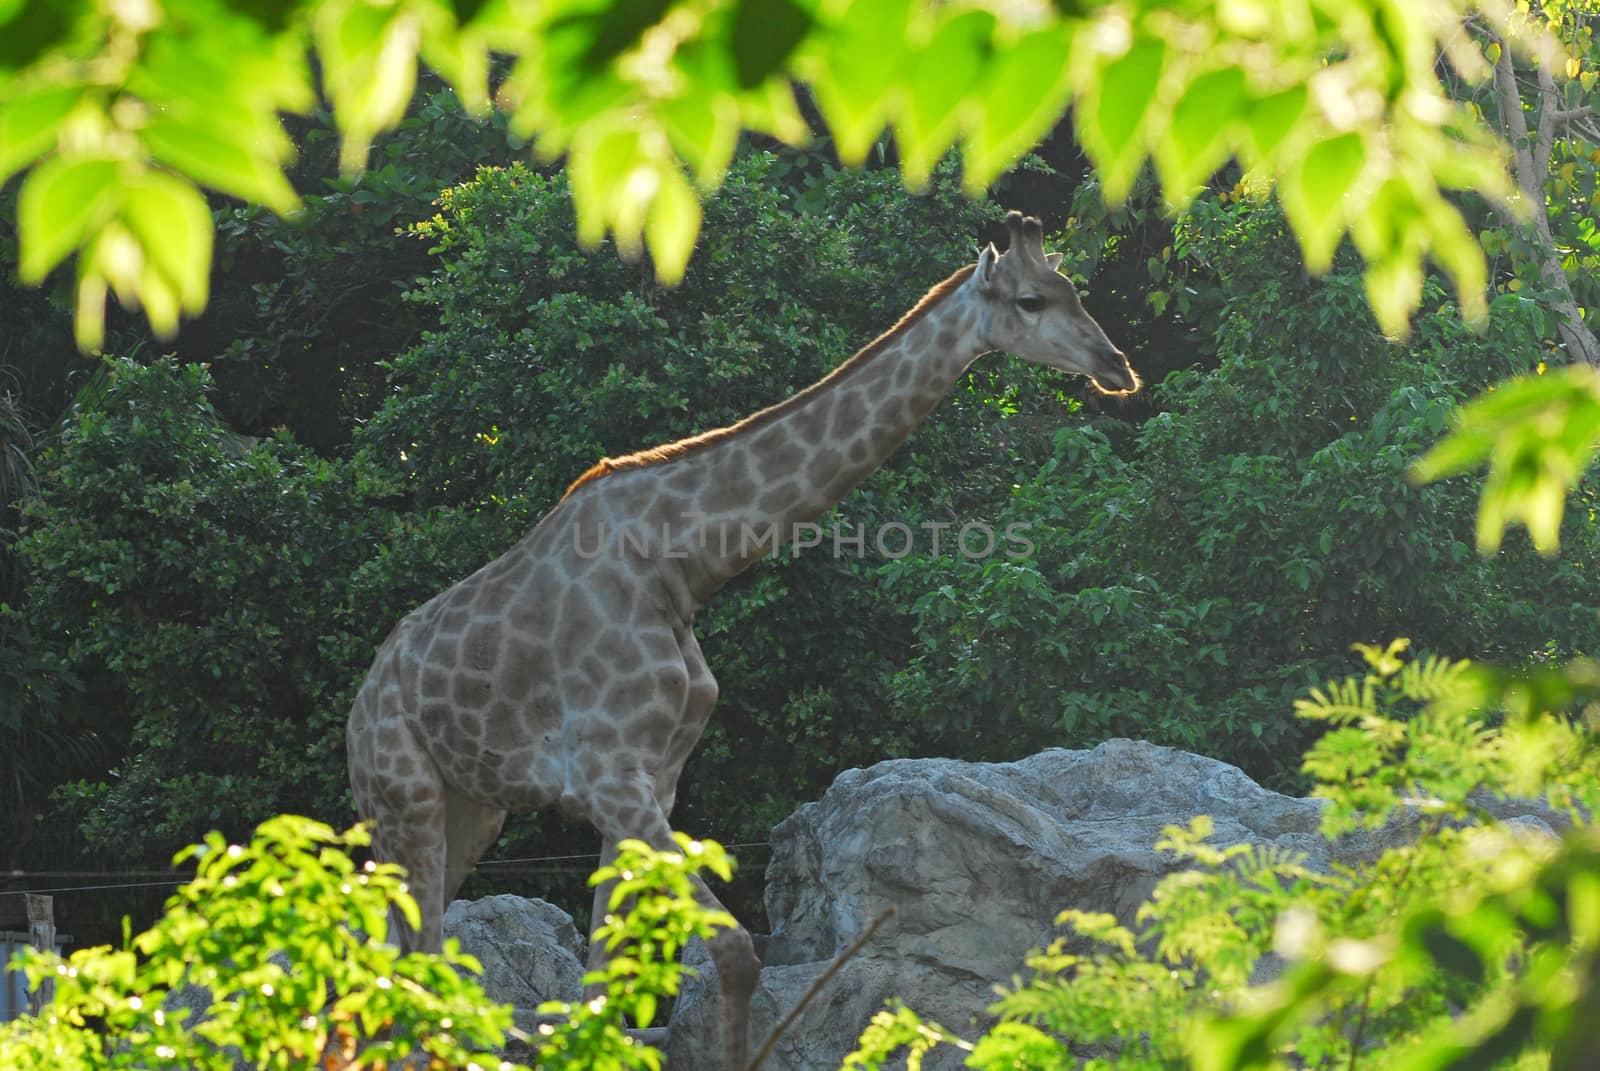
[(288, 934), (1465, 946)]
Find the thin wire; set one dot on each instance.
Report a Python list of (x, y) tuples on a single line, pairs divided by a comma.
[(92, 888), (529, 865)]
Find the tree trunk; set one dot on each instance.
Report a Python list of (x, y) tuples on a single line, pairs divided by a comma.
[(1531, 169)]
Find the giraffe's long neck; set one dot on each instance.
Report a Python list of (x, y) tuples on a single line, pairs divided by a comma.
[(745, 493)]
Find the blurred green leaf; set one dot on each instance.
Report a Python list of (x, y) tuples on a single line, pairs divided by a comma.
[(29, 28), (61, 203), (30, 124), (173, 223), (1022, 92), (859, 64), (939, 81), (673, 223), (765, 33), (1537, 434), (1118, 109), (1313, 194), (369, 56), (271, 15), (214, 157), (617, 27)]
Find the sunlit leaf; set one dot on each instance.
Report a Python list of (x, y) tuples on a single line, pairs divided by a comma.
[(1313, 195), (1024, 90), (939, 81), (860, 62), (213, 157), (673, 223), (172, 222), (30, 124), (369, 54), (1270, 119), (1117, 108), (704, 131), (61, 202), (1538, 434), (1394, 288), (1197, 140)]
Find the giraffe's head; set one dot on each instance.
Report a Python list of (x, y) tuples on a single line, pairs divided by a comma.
[(1033, 311)]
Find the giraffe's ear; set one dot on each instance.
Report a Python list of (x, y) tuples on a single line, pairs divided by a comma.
[(1052, 260), (986, 263)]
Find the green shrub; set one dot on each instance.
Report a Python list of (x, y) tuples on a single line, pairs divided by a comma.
[(287, 934), (187, 576)]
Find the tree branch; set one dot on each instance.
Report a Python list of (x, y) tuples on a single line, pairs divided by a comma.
[(1561, 118), (1531, 168), (816, 987)]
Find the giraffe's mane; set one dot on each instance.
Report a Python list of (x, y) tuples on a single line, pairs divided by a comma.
[(656, 455)]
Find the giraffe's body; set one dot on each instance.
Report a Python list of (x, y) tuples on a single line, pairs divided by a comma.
[(566, 673)]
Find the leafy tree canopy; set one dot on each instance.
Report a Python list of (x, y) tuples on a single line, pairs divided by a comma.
[(119, 113)]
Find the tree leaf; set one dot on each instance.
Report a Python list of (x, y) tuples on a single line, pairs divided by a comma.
[(61, 201), (172, 222), (704, 129), (1117, 109), (1270, 119), (1313, 194), (33, 28), (271, 15), (617, 27), (30, 124), (1197, 139), (214, 158), (863, 53), (1022, 93), (672, 226), (369, 56), (938, 82), (765, 33)]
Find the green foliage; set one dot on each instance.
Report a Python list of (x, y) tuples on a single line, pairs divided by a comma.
[(1249, 958), (117, 114), (286, 932), (304, 310), (652, 917), (183, 573), (1537, 434)]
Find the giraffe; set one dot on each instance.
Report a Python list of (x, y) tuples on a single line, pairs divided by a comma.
[(566, 673)]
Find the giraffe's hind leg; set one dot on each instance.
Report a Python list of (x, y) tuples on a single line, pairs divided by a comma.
[(632, 811), (470, 829), (399, 789)]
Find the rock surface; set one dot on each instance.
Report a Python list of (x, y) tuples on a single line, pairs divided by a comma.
[(530, 950), (977, 860)]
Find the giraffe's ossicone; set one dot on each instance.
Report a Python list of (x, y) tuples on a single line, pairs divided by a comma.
[(566, 673)]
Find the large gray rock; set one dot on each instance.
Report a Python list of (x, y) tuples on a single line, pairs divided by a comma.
[(977, 861), (530, 950)]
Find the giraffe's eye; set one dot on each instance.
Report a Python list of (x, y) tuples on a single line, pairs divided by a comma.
[(1030, 303)]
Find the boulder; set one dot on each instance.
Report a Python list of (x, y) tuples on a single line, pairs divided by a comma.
[(977, 860), (530, 950)]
